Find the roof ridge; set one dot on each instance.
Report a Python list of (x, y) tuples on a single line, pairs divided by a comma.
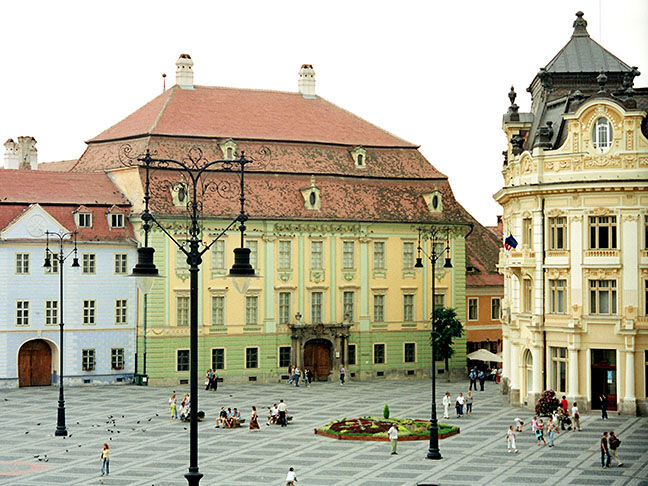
[(163, 109)]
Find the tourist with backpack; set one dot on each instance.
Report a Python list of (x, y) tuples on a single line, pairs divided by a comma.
[(614, 443)]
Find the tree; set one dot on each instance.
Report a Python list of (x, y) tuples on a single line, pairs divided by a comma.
[(446, 328)]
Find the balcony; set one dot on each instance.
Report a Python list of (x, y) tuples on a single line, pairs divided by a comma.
[(524, 258)]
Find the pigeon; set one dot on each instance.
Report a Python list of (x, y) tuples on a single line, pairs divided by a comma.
[(27, 432), (77, 423), (137, 422), (36, 456), (150, 419), (38, 423), (79, 445), (122, 416), (70, 435), (157, 414), (67, 450)]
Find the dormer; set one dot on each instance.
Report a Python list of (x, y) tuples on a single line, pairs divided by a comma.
[(434, 201), (359, 155), (229, 149), (311, 196), (83, 217), (116, 217), (179, 194)]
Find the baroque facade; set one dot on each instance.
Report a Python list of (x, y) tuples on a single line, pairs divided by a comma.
[(335, 204), (575, 196), (99, 307)]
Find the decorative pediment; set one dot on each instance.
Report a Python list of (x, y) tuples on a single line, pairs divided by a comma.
[(601, 212), (601, 273), (32, 224)]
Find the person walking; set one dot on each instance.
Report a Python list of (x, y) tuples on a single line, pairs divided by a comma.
[(342, 373), (207, 379), (254, 421), (290, 374), (282, 413), (472, 376), (105, 460), (291, 477), (510, 440), (215, 382), (393, 437), (460, 404), (614, 442), (173, 402), (309, 375), (576, 417), (604, 406), (605, 451), (540, 432), (469, 404), (482, 377), (297, 375), (534, 425), (552, 430), (446, 405)]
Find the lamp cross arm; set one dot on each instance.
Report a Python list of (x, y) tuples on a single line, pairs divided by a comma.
[(164, 230), (207, 247)]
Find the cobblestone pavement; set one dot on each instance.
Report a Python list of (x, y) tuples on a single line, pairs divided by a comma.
[(148, 449)]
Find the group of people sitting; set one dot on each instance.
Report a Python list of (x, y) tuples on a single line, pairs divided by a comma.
[(229, 419), (294, 374)]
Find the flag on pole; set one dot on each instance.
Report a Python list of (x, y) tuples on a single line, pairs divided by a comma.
[(510, 242)]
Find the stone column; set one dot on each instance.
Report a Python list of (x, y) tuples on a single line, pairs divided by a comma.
[(536, 387), (572, 365), (506, 364), (514, 392), (629, 404)]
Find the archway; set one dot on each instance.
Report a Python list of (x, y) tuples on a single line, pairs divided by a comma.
[(317, 357), (35, 363), (528, 372)]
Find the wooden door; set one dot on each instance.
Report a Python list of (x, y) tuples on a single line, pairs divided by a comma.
[(35, 364), (317, 357)]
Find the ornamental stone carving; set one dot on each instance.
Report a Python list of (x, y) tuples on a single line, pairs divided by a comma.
[(630, 217), (602, 161), (557, 165), (600, 212), (601, 273), (557, 273)]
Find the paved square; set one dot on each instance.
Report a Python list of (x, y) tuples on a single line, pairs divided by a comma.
[(148, 449)]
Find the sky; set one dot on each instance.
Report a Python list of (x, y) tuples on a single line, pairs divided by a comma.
[(435, 73)]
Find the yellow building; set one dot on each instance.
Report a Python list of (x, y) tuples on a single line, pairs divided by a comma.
[(575, 199)]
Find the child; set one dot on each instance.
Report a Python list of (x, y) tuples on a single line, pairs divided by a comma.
[(534, 424), (540, 432), (510, 440)]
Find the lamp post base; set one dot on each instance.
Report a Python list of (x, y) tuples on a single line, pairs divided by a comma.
[(61, 430), (193, 477), (433, 454)]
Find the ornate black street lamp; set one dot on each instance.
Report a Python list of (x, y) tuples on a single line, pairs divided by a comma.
[(434, 233), (60, 258), (193, 168)]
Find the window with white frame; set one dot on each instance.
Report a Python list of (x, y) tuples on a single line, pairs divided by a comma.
[(348, 299), (557, 289), (218, 359), (182, 360), (379, 308), (473, 308), (316, 307), (408, 307), (602, 135), (527, 232), (182, 310), (121, 311), (409, 352), (51, 312), (603, 297), (251, 358), (496, 308), (348, 255), (88, 361), (89, 311), (527, 295), (316, 260), (22, 263), (117, 359), (253, 245), (439, 301), (218, 310), (285, 255), (84, 220), (251, 309), (558, 233), (559, 369), (22, 313), (284, 356), (116, 220), (379, 354), (379, 255), (218, 255), (181, 260), (53, 269), (89, 263), (408, 254), (284, 307), (121, 263), (602, 232)]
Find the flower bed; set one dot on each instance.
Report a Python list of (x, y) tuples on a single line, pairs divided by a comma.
[(374, 429)]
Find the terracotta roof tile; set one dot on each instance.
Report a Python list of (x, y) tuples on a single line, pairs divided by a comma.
[(59, 166), (482, 251)]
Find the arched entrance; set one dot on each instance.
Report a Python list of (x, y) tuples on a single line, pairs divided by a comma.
[(35, 363), (317, 357)]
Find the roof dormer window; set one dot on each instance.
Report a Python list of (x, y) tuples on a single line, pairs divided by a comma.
[(311, 196), (84, 220), (434, 201), (116, 220), (229, 149), (602, 135), (179, 194), (359, 155)]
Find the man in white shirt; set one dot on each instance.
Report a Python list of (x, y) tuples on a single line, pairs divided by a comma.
[(393, 437), (274, 415), (576, 416), (291, 477), (446, 404), (282, 413)]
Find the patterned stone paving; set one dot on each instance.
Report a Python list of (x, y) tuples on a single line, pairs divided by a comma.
[(148, 449)]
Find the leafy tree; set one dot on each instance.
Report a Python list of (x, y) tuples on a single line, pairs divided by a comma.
[(446, 328)]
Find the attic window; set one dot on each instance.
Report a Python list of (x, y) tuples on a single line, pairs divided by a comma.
[(229, 149), (179, 194), (359, 155), (434, 201), (84, 220), (602, 135), (311, 196), (116, 220)]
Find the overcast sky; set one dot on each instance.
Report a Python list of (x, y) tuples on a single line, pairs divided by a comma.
[(435, 73)]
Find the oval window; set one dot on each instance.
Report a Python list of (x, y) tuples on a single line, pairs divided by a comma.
[(602, 135), (313, 199), (182, 194), (435, 202)]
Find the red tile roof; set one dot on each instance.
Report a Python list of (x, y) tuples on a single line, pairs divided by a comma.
[(214, 112), (59, 166), (34, 186), (482, 251)]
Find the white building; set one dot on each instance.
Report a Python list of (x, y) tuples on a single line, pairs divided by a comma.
[(99, 301)]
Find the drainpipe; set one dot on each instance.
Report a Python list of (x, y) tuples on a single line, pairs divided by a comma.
[(544, 292)]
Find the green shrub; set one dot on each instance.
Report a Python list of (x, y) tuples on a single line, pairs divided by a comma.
[(386, 411)]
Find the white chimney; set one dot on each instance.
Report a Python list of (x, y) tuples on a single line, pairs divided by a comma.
[(11, 157), (306, 81), (184, 72), (27, 153)]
